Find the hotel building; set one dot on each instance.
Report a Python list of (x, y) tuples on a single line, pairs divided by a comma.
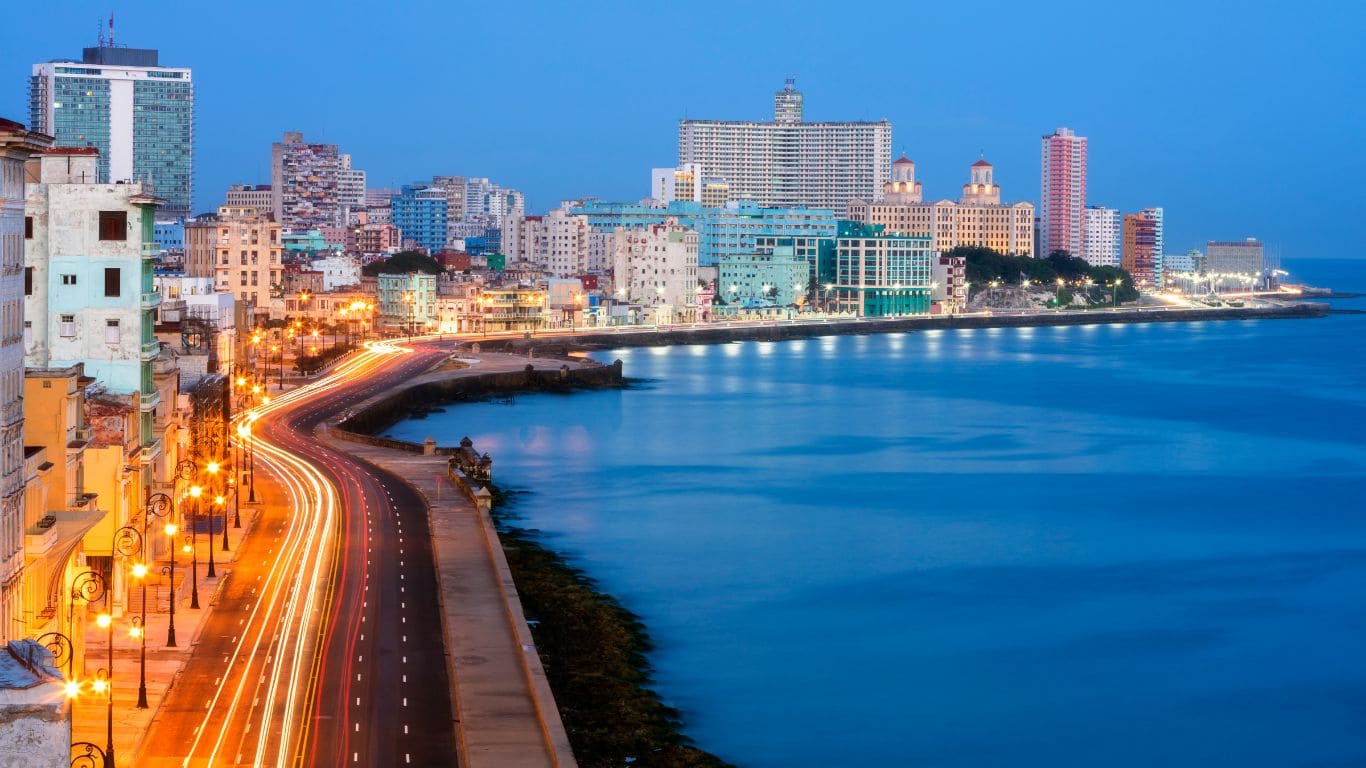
[(878, 274), (977, 219), (1241, 257), (138, 114), (788, 163)]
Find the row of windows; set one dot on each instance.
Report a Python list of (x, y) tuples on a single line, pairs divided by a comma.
[(113, 281)]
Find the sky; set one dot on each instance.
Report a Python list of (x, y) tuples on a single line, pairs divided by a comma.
[(1238, 118)]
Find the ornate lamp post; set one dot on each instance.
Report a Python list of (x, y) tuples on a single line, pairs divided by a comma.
[(84, 754), (195, 492), (170, 531), (212, 469)]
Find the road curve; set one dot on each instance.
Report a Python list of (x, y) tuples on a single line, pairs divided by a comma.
[(325, 645)]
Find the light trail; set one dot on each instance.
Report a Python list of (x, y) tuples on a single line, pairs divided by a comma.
[(277, 646)]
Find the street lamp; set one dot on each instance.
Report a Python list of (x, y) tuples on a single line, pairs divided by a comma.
[(90, 586), (212, 469), (195, 492), (170, 531)]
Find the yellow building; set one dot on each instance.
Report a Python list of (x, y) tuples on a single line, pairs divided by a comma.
[(977, 219), (59, 509), (240, 249)]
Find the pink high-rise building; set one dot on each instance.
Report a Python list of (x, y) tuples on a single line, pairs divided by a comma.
[(1062, 194)]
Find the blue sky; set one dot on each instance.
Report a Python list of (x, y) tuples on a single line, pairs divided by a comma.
[(1239, 118)]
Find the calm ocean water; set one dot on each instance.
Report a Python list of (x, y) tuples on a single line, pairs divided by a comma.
[(1119, 546)]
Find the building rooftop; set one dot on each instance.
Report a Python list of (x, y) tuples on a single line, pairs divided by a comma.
[(903, 160), (981, 163)]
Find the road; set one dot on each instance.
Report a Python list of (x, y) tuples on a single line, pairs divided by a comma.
[(325, 644)]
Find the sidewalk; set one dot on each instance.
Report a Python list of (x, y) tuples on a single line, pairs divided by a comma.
[(90, 710)]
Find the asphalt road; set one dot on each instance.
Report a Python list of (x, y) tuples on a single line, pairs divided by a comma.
[(324, 647)]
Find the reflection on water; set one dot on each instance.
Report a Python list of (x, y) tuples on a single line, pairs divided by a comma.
[(1120, 546)]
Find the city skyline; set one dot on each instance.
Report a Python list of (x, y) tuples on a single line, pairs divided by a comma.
[(1170, 128)]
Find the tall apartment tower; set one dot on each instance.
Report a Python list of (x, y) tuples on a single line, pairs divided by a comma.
[(1062, 194), (1104, 234), (16, 147), (788, 163), (306, 184), (1142, 257), (138, 114)]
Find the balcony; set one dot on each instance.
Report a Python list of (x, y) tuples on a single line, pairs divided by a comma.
[(150, 300), (150, 349), (150, 400)]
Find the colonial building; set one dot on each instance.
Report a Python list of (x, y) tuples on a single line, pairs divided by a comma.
[(240, 248), (977, 219), (17, 145)]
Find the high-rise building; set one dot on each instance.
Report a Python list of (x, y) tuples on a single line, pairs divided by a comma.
[(488, 203), (240, 248), (305, 184), (17, 145), (350, 186), (977, 219), (1141, 254), (419, 212), (788, 163), (138, 114), (1062, 194), (1159, 242), (557, 242), (1104, 236)]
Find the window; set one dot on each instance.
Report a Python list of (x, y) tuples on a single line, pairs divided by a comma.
[(67, 328), (28, 227), (68, 279), (113, 277), (113, 225), (28, 281), (111, 332)]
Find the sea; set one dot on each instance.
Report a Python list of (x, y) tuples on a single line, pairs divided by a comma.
[(1127, 545)]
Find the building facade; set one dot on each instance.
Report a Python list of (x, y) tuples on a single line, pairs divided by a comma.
[(1104, 236), (419, 212), (656, 268), (788, 163), (138, 114), (778, 278), (305, 183), (977, 219), (407, 303), (1236, 257), (878, 275), (17, 145), (256, 196), (1062, 194), (1141, 253), (240, 248)]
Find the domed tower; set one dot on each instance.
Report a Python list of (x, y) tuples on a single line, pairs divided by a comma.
[(903, 188), (980, 188)]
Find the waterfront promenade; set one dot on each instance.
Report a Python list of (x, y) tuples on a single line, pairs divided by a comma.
[(505, 712)]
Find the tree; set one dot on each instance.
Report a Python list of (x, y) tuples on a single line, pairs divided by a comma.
[(402, 263)]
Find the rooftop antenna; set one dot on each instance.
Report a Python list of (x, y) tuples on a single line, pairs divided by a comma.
[(99, 33), (111, 29)]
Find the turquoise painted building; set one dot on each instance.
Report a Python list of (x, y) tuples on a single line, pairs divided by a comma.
[(737, 229), (880, 275)]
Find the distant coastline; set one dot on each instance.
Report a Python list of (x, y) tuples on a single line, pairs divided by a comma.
[(588, 339)]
